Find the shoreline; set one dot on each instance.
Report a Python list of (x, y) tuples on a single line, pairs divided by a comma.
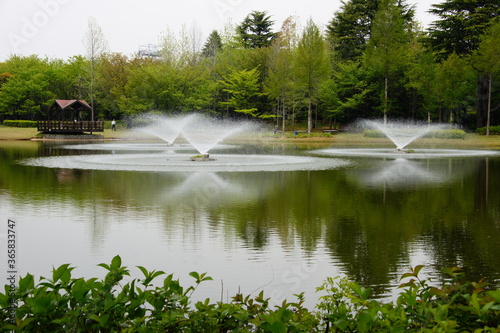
[(346, 139)]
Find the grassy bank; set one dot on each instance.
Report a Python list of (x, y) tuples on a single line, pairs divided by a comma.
[(472, 141)]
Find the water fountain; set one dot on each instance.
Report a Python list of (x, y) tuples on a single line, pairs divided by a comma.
[(401, 135), (201, 132), (167, 128), (204, 135)]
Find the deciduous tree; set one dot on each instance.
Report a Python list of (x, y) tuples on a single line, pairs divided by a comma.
[(487, 60), (312, 66), (95, 45), (386, 50)]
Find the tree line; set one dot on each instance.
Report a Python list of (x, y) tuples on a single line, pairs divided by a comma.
[(373, 60)]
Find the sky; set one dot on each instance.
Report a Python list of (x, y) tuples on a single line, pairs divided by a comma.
[(56, 28)]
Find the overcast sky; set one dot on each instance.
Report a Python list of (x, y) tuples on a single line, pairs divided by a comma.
[(55, 28)]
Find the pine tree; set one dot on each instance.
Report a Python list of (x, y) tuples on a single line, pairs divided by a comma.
[(350, 28), (256, 30), (213, 45), (461, 25)]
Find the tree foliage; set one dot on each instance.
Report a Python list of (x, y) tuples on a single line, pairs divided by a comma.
[(373, 60), (256, 30), (63, 303), (312, 66), (350, 28), (460, 25)]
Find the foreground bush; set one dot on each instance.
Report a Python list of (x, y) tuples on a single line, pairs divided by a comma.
[(66, 304), (20, 123)]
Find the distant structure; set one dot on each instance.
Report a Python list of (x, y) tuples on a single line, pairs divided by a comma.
[(148, 51), (67, 116)]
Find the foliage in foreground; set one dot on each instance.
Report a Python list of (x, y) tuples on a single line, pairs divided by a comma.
[(66, 304)]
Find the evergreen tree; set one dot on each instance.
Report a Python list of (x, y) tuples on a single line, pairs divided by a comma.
[(213, 45), (460, 25), (458, 31), (350, 28), (256, 30)]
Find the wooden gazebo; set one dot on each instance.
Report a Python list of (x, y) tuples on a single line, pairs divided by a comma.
[(66, 116)]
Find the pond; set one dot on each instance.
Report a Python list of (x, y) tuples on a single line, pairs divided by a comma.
[(281, 230)]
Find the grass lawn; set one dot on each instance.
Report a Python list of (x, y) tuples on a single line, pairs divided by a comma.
[(472, 141)]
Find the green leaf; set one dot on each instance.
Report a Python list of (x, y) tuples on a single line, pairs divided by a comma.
[(116, 262), (144, 271), (105, 266), (26, 283), (62, 273), (276, 327), (195, 275), (417, 269)]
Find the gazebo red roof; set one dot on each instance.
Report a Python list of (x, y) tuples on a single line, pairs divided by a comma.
[(64, 103)]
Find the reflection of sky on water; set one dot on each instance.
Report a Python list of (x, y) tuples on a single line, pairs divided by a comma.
[(401, 173)]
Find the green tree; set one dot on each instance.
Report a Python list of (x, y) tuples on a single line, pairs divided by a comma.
[(421, 75), (312, 66), (350, 28), (279, 84), (111, 79), (256, 30), (347, 94), (487, 60), (455, 86), (156, 85), (460, 25), (458, 31), (26, 93), (386, 49), (213, 45), (243, 88)]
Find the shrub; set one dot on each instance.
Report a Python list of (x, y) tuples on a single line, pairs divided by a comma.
[(447, 134), (65, 304), (493, 130), (373, 134), (20, 123), (438, 134)]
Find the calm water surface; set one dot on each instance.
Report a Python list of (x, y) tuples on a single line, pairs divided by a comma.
[(283, 232)]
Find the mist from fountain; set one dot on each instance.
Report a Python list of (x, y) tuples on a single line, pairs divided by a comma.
[(202, 132), (402, 133), (167, 129)]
